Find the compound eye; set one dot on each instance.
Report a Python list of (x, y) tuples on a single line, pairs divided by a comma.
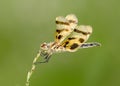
[(44, 46)]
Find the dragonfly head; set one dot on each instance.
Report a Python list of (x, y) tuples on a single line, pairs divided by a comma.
[(45, 50), (44, 46)]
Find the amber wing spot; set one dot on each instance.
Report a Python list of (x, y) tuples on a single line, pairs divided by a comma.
[(71, 38), (65, 44), (58, 31), (73, 46), (81, 40), (60, 36), (62, 22)]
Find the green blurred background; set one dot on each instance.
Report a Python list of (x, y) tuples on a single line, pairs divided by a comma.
[(25, 24)]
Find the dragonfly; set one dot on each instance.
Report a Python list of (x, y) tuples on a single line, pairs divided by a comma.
[(69, 37)]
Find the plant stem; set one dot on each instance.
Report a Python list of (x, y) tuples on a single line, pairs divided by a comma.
[(32, 70)]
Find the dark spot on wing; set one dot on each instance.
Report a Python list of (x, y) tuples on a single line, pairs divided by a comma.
[(71, 38), (78, 31), (75, 30), (75, 45), (81, 40), (60, 22), (71, 21), (66, 43), (60, 36), (58, 31)]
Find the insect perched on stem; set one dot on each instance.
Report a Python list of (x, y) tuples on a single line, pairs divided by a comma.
[(69, 37)]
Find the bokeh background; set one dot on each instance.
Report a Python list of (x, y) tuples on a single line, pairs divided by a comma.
[(25, 24)]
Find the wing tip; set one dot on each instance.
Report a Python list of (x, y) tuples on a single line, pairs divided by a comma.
[(72, 18)]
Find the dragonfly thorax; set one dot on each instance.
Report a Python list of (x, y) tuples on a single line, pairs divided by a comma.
[(51, 47)]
